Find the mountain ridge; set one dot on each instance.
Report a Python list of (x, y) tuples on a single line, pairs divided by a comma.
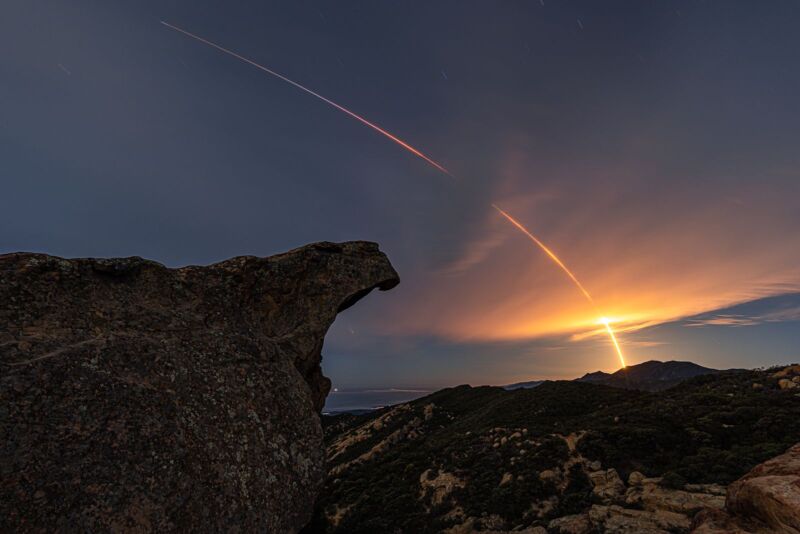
[(652, 375)]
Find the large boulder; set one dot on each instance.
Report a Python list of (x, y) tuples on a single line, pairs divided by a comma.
[(134, 397), (767, 499), (770, 492)]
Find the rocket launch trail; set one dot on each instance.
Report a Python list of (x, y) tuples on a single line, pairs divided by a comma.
[(547, 251), (613, 340), (572, 277), (417, 153), (341, 108)]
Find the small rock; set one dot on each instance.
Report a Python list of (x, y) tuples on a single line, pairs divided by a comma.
[(548, 475), (635, 478), (785, 383), (607, 484)]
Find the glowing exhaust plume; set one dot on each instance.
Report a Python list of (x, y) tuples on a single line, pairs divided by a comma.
[(572, 277), (343, 109), (413, 151), (614, 340)]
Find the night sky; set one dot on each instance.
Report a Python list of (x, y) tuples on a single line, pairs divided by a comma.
[(654, 146)]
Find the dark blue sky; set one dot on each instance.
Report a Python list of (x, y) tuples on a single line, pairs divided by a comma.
[(653, 145)]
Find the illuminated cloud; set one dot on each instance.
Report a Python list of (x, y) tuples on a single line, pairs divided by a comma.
[(650, 251)]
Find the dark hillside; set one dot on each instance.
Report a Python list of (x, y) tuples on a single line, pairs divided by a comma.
[(525, 457)]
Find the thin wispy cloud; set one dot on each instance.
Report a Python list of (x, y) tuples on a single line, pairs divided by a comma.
[(739, 320), (475, 252)]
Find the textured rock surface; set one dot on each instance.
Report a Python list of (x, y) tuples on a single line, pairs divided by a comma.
[(137, 397), (770, 492), (718, 522), (618, 520), (648, 494), (607, 484), (571, 524), (767, 499)]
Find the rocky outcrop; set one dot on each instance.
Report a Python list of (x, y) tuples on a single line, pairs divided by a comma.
[(645, 507), (134, 397), (767, 499), (788, 377)]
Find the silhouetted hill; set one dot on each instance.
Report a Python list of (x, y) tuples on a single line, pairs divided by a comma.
[(524, 385), (649, 376), (564, 456), (595, 378)]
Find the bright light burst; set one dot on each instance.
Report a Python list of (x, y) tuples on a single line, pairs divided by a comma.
[(564, 268)]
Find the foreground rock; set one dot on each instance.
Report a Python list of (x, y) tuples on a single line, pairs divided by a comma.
[(140, 398), (767, 499), (645, 507)]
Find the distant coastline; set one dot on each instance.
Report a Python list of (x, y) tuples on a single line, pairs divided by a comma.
[(362, 400)]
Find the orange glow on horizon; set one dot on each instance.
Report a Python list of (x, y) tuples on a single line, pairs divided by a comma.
[(564, 268)]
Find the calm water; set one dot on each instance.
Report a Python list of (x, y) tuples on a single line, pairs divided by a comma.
[(369, 399)]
